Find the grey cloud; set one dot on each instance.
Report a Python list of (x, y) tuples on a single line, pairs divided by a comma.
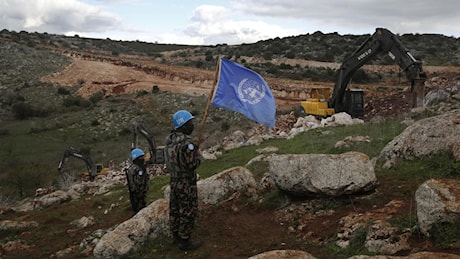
[(417, 16), (55, 16)]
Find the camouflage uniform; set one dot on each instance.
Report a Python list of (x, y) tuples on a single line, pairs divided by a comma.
[(138, 185), (182, 158)]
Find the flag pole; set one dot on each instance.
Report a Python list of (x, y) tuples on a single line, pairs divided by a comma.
[(205, 116)]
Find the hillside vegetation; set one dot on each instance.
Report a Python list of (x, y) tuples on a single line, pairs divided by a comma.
[(39, 120)]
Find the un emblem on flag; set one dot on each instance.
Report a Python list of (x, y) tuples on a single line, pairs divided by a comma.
[(251, 91)]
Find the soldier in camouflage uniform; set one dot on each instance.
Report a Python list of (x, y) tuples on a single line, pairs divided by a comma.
[(182, 158), (138, 180)]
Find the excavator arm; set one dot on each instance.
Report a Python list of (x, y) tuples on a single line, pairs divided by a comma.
[(382, 41), (92, 169), (156, 153)]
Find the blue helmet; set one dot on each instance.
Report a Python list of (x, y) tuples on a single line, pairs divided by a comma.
[(181, 117), (136, 153)]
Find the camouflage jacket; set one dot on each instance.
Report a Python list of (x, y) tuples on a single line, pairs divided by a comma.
[(182, 156), (138, 178)]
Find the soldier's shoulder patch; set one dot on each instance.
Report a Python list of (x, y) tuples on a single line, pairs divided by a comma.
[(191, 147)]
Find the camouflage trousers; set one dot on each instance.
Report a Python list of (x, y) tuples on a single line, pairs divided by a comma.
[(183, 206), (137, 200)]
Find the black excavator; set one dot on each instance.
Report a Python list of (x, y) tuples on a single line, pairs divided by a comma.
[(351, 101), (156, 153), (93, 168)]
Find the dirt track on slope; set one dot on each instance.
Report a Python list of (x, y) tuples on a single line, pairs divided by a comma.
[(115, 76)]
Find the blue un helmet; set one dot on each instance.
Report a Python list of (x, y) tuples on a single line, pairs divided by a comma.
[(181, 117), (136, 153)]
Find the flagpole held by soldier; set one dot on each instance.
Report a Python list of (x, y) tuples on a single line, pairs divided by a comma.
[(182, 158)]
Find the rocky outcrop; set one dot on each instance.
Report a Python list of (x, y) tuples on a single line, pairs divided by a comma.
[(310, 122), (418, 255), (299, 254), (438, 201), (323, 174), (224, 186), (149, 223), (283, 254), (17, 225), (47, 200), (425, 137), (45, 197), (381, 237), (152, 221)]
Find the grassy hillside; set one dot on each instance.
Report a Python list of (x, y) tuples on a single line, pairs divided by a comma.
[(247, 218), (40, 121)]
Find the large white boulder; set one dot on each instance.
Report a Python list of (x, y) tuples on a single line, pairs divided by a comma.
[(224, 186), (149, 223), (326, 174), (426, 137)]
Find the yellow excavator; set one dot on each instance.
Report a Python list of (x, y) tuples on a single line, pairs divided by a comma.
[(351, 101), (93, 168)]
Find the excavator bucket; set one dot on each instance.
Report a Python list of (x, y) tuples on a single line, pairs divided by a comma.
[(418, 92)]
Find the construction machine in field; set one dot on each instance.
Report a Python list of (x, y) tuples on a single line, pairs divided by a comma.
[(93, 168), (156, 153), (351, 101)]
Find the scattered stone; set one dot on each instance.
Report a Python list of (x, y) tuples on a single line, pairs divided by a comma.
[(437, 201), (283, 254)]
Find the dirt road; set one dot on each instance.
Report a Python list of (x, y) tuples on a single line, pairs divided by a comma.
[(117, 76)]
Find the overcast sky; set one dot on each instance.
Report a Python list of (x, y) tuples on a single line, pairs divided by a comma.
[(208, 22)]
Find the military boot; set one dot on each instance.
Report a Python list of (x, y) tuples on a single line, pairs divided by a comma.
[(187, 245)]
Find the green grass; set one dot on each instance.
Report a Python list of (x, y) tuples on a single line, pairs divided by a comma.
[(316, 141), (401, 181), (445, 234), (404, 223)]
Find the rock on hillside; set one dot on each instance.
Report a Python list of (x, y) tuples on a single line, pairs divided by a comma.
[(323, 174), (438, 134)]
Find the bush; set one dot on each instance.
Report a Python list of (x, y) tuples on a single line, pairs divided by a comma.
[(24, 110), (141, 93), (76, 101), (96, 97), (225, 126), (63, 91), (21, 181)]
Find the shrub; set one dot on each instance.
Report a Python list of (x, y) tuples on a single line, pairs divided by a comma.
[(141, 93), (96, 97), (63, 91), (75, 101), (225, 126), (155, 89), (21, 181), (23, 110)]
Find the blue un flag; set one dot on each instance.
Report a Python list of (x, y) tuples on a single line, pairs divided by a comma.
[(242, 90)]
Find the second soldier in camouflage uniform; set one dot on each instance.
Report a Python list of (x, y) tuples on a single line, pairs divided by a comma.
[(182, 159), (137, 178)]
